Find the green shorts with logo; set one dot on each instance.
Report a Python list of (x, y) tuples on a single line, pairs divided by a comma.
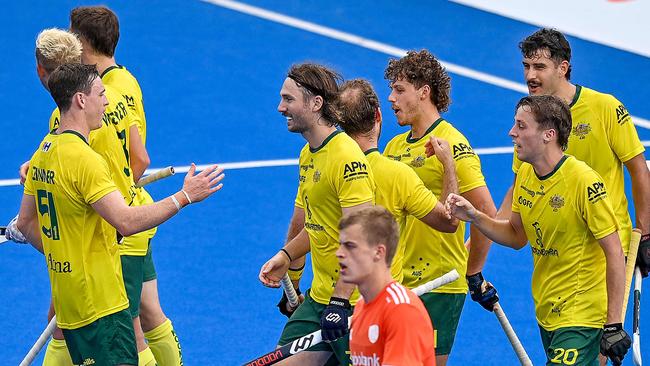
[(148, 268), (444, 311), (107, 341), (572, 346), (305, 320), (132, 272)]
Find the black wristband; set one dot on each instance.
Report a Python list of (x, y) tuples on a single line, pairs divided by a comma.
[(612, 327), (287, 253), (338, 301)]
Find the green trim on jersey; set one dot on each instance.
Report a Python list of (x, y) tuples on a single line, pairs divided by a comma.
[(557, 166), (576, 96), (74, 133), (370, 151), (331, 136), (109, 69), (435, 124)]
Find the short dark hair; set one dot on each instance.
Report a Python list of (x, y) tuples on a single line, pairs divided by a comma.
[(422, 68), (98, 25), (357, 104), (69, 79), (378, 225), (315, 80), (551, 40), (550, 112)]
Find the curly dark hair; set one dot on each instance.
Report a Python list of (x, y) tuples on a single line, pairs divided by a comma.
[(551, 40), (422, 68), (550, 112), (357, 105)]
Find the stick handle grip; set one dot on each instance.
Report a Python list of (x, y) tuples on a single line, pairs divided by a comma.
[(162, 173), (290, 291)]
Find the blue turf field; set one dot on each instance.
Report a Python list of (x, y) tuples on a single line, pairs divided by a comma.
[(211, 78)]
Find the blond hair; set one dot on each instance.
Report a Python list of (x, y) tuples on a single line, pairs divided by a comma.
[(55, 47)]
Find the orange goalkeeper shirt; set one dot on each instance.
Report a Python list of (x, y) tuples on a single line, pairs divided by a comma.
[(393, 329)]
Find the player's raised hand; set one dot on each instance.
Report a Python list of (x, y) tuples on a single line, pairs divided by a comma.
[(198, 187), (460, 208), (273, 270), (440, 148)]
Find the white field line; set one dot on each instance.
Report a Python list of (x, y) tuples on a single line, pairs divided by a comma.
[(376, 46), (285, 162)]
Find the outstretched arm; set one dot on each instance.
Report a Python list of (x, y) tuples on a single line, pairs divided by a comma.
[(506, 232)]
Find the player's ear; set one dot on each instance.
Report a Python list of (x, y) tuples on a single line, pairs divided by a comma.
[(564, 67), (317, 103), (380, 252), (424, 92)]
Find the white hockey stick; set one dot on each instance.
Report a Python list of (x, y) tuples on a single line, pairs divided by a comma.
[(315, 338), (512, 336), (40, 342)]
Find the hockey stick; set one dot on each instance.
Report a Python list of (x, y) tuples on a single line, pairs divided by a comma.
[(315, 338), (40, 342), (291, 293), (635, 238), (636, 345), (512, 336), (3, 231), (162, 173)]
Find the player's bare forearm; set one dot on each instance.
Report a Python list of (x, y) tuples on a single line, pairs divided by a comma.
[(343, 290), (138, 155), (506, 232), (296, 225), (640, 177), (479, 246), (615, 275), (28, 222), (130, 220), (506, 205), (502, 231), (449, 181), (298, 246)]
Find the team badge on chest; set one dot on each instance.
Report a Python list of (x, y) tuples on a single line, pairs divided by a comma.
[(581, 130), (373, 333), (556, 202), (316, 176)]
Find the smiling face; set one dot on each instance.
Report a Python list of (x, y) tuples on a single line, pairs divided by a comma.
[(357, 258), (404, 99), (543, 75), (294, 107)]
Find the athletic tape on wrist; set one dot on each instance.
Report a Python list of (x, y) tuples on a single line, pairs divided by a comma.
[(176, 203), (187, 196)]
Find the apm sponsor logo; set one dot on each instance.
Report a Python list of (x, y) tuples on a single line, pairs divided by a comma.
[(462, 150), (356, 170), (622, 115), (596, 192)]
